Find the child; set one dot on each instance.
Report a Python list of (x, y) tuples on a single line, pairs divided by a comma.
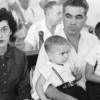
[(54, 71), (93, 74)]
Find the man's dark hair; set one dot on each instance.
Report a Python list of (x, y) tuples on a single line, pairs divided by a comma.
[(97, 30), (49, 5), (76, 3), (6, 15)]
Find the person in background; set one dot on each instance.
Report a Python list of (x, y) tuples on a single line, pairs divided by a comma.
[(27, 12), (53, 71), (53, 12), (74, 18), (13, 4), (93, 69), (97, 30), (91, 30), (14, 74)]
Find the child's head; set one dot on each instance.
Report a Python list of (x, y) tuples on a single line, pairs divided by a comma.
[(57, 49)]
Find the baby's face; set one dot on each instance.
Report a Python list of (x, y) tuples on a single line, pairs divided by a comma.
[(60, 54)]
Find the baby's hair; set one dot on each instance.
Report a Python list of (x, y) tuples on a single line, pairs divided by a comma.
[(53, 41)]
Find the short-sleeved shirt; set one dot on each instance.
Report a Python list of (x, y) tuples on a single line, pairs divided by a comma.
[(93, 57), (5, 3), (51, 76), (33, 33)]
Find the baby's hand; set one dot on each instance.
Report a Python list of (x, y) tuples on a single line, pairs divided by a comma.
[(77, 73)]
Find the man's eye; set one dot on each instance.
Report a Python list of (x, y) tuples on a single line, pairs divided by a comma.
[(68, 16), (79, 17)]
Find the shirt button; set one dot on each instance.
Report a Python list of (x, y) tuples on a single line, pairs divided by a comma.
[(4, 90), (5, 82), (4, 73), (3, 64), (1, 56)]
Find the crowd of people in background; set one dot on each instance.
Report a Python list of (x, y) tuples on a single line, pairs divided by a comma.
[(68, 66)]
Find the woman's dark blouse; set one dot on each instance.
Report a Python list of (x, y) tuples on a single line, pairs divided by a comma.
[(14, 75)]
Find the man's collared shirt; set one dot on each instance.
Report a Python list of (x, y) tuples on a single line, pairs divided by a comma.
[(86, 43), (33, 33)]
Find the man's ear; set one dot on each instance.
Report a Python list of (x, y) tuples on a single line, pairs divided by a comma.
[(86, 18)]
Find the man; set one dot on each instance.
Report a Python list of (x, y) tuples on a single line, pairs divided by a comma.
[(48, 25), (74, 18)]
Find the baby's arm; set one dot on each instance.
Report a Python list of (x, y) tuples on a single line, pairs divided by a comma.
[(90, 76), (39, 88)]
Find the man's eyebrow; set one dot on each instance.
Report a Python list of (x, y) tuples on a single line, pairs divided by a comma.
[(68, 14), (79, 15)]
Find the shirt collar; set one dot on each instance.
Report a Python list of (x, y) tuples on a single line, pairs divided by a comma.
[(8, 53), (52, 64), (82, 36)]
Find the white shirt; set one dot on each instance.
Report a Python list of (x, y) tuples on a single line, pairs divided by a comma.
[(5, 3), (28, 14), (33, 37), (94, 56), (52, 78), (86, 43), (38, 12), (64, 72)]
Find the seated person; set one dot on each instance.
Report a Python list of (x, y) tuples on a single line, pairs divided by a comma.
[(55, 73), (93, 74), (47, 25), (14, 75)]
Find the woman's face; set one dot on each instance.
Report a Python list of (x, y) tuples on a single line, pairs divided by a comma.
[(5, 33)]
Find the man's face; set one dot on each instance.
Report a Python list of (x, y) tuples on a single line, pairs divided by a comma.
[(73, 19), (55, 14), (5, 33)]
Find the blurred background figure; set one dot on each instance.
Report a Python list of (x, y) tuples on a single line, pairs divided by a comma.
[(97, 30), (12, 4), (91, 30), (53, 13)]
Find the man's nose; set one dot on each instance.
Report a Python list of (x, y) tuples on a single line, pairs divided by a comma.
[(73, 21)]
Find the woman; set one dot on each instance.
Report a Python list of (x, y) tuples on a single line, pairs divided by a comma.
[(14, 75)]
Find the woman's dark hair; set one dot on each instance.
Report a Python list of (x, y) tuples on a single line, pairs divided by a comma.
[(7, 16)]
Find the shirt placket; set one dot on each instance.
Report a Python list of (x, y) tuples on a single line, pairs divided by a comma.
[(3, 70)]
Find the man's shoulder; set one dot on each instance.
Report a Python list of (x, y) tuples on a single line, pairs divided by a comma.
[(87, 35), (90, 38), (38, 24)]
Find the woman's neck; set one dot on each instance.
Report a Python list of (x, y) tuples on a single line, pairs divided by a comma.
[(3, 50)]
